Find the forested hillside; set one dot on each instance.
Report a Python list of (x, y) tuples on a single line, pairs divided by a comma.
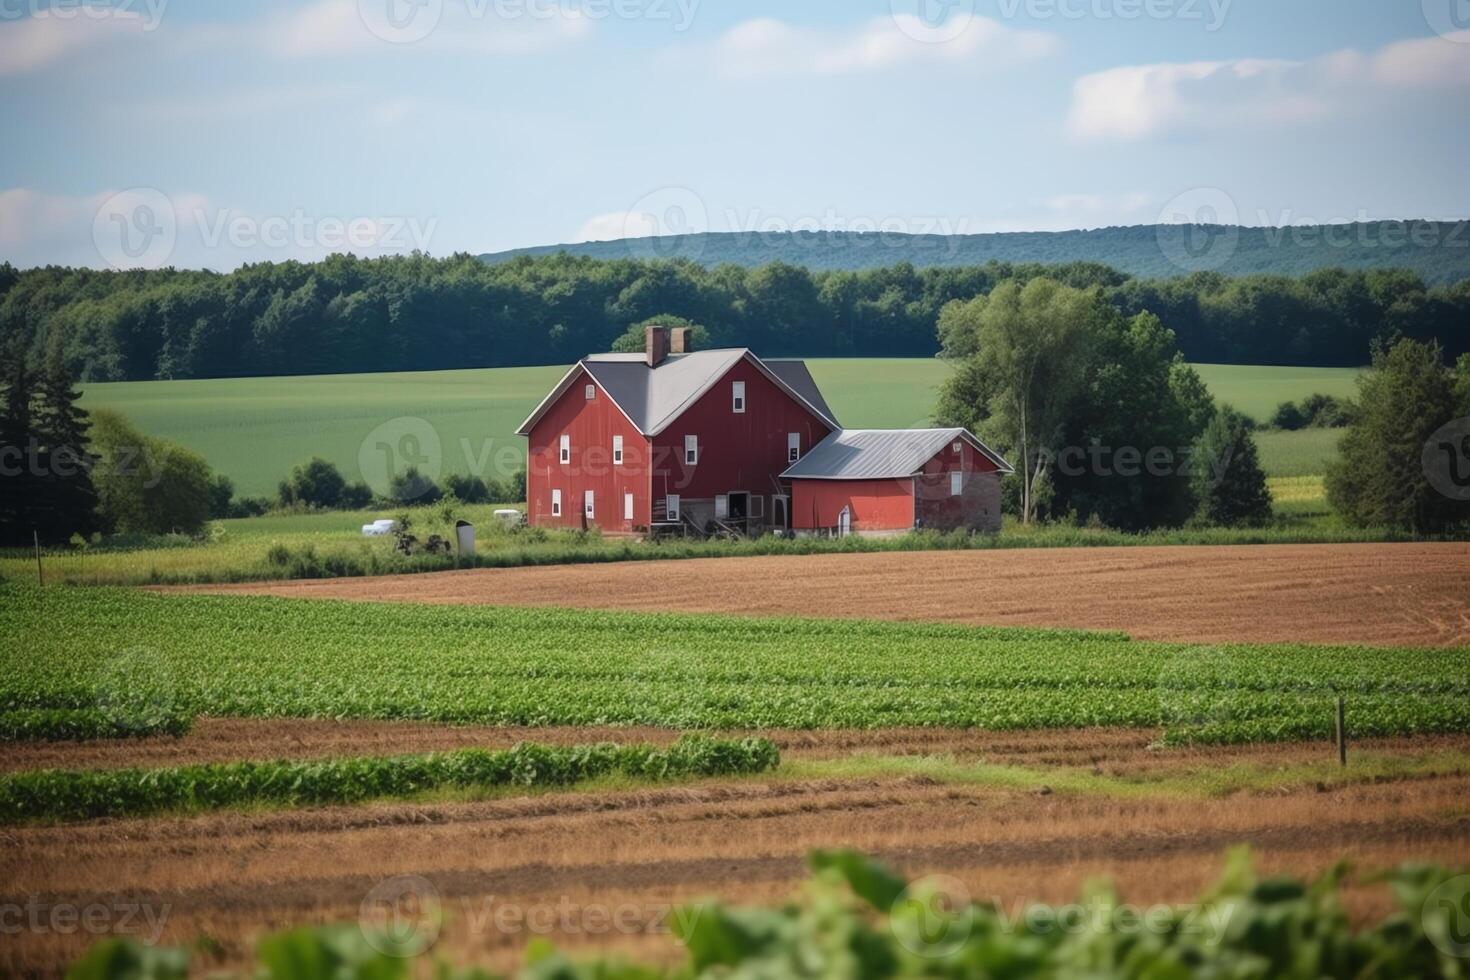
[(1437, 250), (418, 313)]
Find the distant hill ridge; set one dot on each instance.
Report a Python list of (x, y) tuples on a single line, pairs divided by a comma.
[(1439, 251)]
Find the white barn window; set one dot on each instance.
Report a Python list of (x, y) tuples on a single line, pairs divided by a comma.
[(617, 450), (956, 483), (566, 449), (737, 398), (627, 506), (691, 449), (591, 392), (556, 503)]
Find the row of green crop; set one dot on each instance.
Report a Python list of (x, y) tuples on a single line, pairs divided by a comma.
[(53, 794), (74, 723), (249, 656), (859, 920)]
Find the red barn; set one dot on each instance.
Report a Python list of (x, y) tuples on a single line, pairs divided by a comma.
[(701, 441), (887, 481)]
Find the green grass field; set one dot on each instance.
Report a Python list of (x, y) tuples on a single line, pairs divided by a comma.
[(255, 429)]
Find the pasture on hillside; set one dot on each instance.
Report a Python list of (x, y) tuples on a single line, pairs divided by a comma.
[(255, 429)]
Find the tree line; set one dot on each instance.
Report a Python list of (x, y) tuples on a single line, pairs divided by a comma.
[(346, 314), (1106, 423)]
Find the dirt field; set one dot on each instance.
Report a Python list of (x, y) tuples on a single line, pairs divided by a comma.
[(572, 862), (1381, 594), (1115, 751)]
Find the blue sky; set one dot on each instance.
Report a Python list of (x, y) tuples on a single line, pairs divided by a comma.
[(213, 133)]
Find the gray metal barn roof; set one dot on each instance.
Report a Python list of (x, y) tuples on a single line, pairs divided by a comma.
[(653, 397), (875, 454)]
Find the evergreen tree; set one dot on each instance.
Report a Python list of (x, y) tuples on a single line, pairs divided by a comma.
[(20, 490), (69, 503), (1228, 480), (1384, 477)]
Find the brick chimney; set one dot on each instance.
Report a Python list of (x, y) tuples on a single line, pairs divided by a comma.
[(682, 339), (656, 344)]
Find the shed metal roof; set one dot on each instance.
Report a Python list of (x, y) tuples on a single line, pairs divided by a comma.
[(875, 454)]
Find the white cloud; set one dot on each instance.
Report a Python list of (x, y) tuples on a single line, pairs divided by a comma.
[(334, 27), (1425, 62), (38, 228), (767, 46), (31, 43), (611, 227), (1158, 100)]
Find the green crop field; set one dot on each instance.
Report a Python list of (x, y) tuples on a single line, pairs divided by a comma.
[(255, 429), (249, 656), (1257, 391)]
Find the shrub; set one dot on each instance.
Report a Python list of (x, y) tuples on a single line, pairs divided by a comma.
[(513, 491), (1288, 417), (411, 486), (1316, 411), (356, 496), (316, 483), (147, 485), (1329, 412), (469, 489), (250, 507), (221, 493)]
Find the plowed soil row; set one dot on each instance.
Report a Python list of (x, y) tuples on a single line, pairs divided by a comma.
[(566, 865), (1114, 751), (1377, 594)]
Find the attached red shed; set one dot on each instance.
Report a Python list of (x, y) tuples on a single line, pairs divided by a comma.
[(888, 481)]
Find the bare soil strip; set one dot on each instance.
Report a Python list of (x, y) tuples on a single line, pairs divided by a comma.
[(1113, 751), (573, 858), (1376, 594)]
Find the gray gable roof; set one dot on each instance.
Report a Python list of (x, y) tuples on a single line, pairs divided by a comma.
[(652, 398), (875, 454), (798, 378)]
